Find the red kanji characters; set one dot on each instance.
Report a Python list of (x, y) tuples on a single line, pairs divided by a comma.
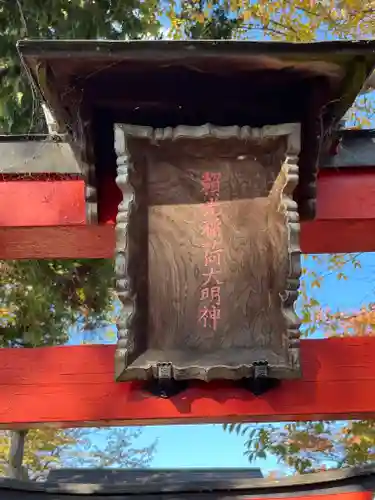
[(209, 317), (211, 183), (205, 293), (211, 275), (211, 294), (215, 295), (212, 256), (211, 228)]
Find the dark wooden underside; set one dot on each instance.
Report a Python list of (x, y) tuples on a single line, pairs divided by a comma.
[(345, 484), (74, 62)]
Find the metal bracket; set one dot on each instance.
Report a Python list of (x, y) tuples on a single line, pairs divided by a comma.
[(164, 371), (260, 369), (260, 383), (164, 385)]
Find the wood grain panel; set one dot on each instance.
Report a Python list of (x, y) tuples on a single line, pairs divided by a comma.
[(251, 264)]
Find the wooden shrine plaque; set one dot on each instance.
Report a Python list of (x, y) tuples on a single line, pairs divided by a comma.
[(207, 251)]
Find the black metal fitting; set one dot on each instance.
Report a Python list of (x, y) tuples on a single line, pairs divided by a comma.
[(260, 383), (164, 385)]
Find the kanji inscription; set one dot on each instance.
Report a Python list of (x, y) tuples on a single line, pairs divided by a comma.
[(218, 269), (210, 300)]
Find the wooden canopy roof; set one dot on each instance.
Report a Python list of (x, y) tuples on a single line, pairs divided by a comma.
[(90, 85), (154, 74)]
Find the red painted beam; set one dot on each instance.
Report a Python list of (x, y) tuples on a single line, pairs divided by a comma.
[(337, 236), (42, 201), (74, 386), (64, 242), (347, 193)]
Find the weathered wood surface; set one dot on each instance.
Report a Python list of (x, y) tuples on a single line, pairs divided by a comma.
[(15, 468), (74, 386), (248, 256), (79, 492), (355, 148), (215, 271), (40, 154), (249, 261), (21, 155), (155, 477), (346, 484)]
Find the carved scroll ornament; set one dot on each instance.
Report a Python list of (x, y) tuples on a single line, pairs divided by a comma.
[(207, 257)]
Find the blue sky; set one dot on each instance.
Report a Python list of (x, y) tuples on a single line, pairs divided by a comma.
[(200, 446)]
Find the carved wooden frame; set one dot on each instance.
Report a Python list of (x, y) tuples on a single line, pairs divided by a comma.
[(127, 348)]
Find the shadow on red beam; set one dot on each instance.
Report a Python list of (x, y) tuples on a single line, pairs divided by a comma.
[(337, 236), (95, 242), (74, 386)]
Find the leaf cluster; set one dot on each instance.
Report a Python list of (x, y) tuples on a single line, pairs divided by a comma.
[(41, 300), (20, 111), (47, 449)]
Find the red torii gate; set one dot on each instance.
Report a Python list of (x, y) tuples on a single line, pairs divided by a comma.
[(74, 386)]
